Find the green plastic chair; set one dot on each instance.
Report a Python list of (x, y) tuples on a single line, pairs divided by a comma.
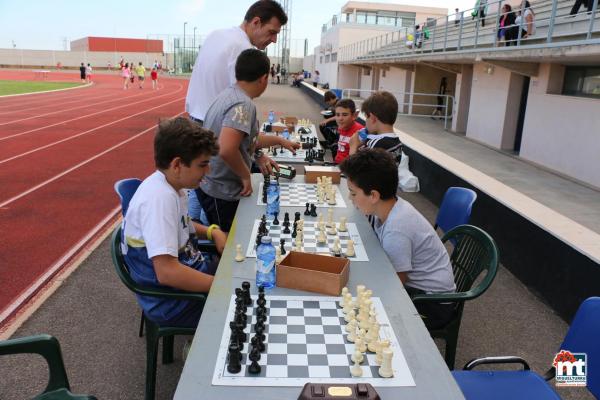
[(48, 347), (475, 253), (153, 331)]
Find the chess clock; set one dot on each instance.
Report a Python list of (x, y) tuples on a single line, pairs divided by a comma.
[(286, 171), (357, 391)]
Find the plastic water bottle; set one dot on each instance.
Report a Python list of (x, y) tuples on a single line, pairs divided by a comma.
[(265, 263), (286, 134), (271, 117), (362, 134), (273, 198)]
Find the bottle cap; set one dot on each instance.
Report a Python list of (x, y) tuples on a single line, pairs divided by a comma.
[(266, 239)]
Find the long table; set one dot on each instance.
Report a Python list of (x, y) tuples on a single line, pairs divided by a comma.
[(432, 378)]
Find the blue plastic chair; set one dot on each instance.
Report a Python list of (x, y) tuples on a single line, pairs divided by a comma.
[(455, 208), (582, 337), (126, 188)]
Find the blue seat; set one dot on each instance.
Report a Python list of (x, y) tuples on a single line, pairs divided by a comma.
[(455, 208), (582, 337), (126, 188)]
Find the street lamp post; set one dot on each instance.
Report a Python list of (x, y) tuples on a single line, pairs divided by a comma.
[(195, 37), (184, 24)]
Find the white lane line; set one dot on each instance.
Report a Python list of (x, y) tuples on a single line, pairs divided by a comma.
[(85, 116), (120, 99), (77, 166), (51, 103), (85, 132)]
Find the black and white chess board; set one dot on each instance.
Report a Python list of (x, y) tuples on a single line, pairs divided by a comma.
[(286, 156), (294, 194), (306, 342), (309, 244)]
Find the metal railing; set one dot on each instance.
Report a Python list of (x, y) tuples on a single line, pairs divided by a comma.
[(406, 100), (553, 24)]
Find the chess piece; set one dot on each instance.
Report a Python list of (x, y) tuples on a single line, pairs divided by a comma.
[(282, 246), (350, 315), (383, 344), (239, 257), (254, 356), (336, 246), (357, 357), (330, 217), (351, 326), (286, 229), (234, 366), (313, 210), (386, 371), (359, 342), (342, 227), (307, 211), (352, 335), (331, 198), (321, 238), (332, 231), (298, 243), (356, 370), (344, 291), (275, 220), (278, 257), (295, 231), (350, 252)]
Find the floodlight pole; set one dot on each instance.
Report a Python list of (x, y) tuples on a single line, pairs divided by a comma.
[(184, 24)]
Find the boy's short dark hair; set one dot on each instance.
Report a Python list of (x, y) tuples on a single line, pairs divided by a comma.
[(251, 64), (346, 103), (383, 105), (181, 137), (265, 10), (372, 169), (328, 96)]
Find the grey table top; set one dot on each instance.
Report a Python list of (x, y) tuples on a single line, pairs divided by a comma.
[(432, 377)]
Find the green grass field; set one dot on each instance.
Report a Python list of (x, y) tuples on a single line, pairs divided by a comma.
[(19, 87)]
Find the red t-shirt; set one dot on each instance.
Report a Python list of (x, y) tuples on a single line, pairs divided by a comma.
[(153, 75), (343, 149)]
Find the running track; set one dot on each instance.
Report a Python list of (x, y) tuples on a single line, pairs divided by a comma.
[(60, 155)]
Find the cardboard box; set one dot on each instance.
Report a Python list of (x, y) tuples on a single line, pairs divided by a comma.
[(313, 273), (312, 172), (290, 120)]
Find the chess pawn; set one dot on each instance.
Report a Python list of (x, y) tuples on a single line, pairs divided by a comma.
[(344, 291), (332, 231), (386, 371), (336, 246), (360, 341), (356, 370), (352, 334), (350, 252), (278, 257), (357, 357), (351, 326), (239, 257), (321, 238), (342, 227), (298, 243), (359, 290), (330, 217), (350, 315), (383, 344), (364, 324)]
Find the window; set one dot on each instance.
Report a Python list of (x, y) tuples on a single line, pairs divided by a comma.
[(321, 60), (582, 81), (371, 18), (366, 71), (333, 57), (327, 58), (361, 17)]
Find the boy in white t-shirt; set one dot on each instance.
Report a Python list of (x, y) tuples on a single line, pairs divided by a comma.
[(158, 235), (414, 249)]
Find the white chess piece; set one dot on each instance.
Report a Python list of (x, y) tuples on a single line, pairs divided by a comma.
[(357, 357), (336, 246), (344, 291), (342, 227), (351, 326), (278, 257), (373, 346), (383, 344), (239, 257), (356, 370), (364, 324), (321, 237), (386, 371), (360, 342), (350, 252), (347, 304), (352, 334), (298, 243), (331, 198), (350, 316), (332, 231), (330, 217)]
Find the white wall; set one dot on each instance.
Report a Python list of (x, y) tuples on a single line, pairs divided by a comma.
[(49, 58), (487, 107), (562, 132)]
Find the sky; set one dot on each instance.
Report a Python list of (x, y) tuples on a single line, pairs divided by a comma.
[(52, 24)]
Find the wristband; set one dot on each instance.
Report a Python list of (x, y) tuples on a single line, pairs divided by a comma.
[(209, 231)]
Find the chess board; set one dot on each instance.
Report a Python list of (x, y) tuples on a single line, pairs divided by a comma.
[(298, 194), (306, 342), (286, 156), (310, 245)]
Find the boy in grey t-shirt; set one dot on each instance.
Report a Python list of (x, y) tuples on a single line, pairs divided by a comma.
[(415, 250), (232, 118)]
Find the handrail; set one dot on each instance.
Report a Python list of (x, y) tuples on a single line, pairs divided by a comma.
[(447, 35), (448, 100)]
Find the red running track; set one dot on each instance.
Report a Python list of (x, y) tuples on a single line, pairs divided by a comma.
[(60, 155)]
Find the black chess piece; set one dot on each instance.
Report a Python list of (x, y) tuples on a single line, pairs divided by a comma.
[(261, 302), (286, 230), (258, 238), (234, 366), (286, 219), (234, 337), (307, 211), (296, 216), (258, 343), (254, 368), (295, 233), (282, 244), (313, 210), (257, 354), (261, 289), (238, 292), (275, 221), (246, 290), (274, 151)]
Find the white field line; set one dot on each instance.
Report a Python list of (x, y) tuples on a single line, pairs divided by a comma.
[(85, 116), (77, 166)]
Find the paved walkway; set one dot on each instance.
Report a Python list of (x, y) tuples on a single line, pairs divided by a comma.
[(96, 318)]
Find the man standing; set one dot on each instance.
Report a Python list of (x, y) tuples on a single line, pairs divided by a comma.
[(214, 70)]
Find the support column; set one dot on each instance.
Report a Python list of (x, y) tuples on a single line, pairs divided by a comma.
[(462, 96)]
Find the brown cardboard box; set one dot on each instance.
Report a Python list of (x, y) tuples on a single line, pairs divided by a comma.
[(312, 172), (290, 120), (313, 273)]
